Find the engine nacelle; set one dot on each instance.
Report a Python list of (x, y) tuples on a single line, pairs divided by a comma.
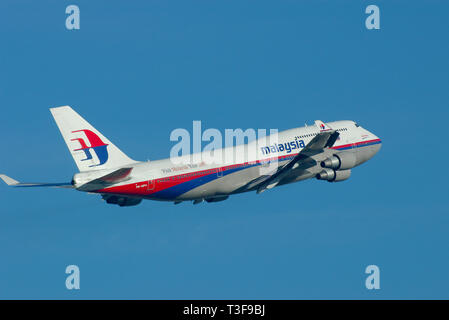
[(122, 201), (341, 161), (216, 199), (332, 175), (326, 174)]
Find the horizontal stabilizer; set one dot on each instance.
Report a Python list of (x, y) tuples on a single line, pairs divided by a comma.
[(14, 183), (116, 176), (107, 180)]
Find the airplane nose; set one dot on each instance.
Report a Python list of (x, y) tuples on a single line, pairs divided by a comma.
[(376, 147)]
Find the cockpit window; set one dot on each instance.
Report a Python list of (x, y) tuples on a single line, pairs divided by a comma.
[(356, 124)]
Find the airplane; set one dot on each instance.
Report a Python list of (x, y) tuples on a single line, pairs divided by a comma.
[(325, 151)]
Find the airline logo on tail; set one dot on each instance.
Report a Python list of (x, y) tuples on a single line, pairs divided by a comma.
[(95, 144)]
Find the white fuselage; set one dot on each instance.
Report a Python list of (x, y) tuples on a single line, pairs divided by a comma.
[(190, 177)]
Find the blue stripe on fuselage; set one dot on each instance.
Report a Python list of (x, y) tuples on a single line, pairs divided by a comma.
[(176, 191)]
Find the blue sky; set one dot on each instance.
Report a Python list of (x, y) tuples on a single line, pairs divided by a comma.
[(137, 70)]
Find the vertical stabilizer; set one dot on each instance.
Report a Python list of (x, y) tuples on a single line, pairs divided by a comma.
[(88, 147)]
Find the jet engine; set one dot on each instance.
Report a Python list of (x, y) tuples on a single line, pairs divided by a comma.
[(216, 198), (341, 161), (332, 175), (121, 201)]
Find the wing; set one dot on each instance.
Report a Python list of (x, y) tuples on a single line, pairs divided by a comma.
[(99, 183), (14, 183), (318, 144)]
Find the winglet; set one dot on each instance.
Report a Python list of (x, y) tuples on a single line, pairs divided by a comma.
[(9, 181), (322, 126)]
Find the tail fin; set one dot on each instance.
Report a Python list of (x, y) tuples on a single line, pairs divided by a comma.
[(322, 126), (89, 148)]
